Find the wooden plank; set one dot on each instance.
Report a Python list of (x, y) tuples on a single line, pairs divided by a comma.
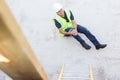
[(23, 63)]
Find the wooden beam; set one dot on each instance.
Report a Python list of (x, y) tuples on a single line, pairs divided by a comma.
[(23, 63)]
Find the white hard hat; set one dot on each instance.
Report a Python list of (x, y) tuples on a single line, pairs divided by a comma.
[(57, 7)]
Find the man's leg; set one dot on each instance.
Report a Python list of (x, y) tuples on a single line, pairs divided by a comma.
[(82, 42), (90, 36), (79, 39)]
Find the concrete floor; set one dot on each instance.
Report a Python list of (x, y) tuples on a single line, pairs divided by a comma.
[(100, 17)]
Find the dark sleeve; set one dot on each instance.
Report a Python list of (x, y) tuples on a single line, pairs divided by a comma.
[(57, 24), (71, 17)]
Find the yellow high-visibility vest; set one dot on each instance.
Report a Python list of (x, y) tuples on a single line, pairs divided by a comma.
[(63, 21)]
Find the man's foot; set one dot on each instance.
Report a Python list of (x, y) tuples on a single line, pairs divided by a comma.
[(86, 46), (101, 46)]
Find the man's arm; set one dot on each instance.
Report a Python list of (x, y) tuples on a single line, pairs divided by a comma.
[(75, 32), (65, 33), (74, 23)]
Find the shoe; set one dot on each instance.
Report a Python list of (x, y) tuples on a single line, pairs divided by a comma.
[(101, 46), (86, 46)]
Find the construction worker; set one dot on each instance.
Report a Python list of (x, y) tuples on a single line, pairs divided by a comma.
[(66, 24)]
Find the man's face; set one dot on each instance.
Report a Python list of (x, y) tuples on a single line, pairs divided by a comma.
[(60, 12)]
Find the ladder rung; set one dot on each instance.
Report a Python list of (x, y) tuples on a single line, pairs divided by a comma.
[(74, 77)]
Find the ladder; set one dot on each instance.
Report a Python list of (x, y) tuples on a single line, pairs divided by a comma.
[(76, 72)]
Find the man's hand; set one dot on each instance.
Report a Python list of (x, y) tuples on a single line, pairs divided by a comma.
[(73, 32)]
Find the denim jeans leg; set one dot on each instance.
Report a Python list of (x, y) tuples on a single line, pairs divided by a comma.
[(77, 37), (88, 34), (82, 42)]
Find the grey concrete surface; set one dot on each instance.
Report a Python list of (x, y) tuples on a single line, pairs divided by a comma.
[(101, 17), (4, 76)]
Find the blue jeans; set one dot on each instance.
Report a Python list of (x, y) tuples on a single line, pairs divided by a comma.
[(85, 31)]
